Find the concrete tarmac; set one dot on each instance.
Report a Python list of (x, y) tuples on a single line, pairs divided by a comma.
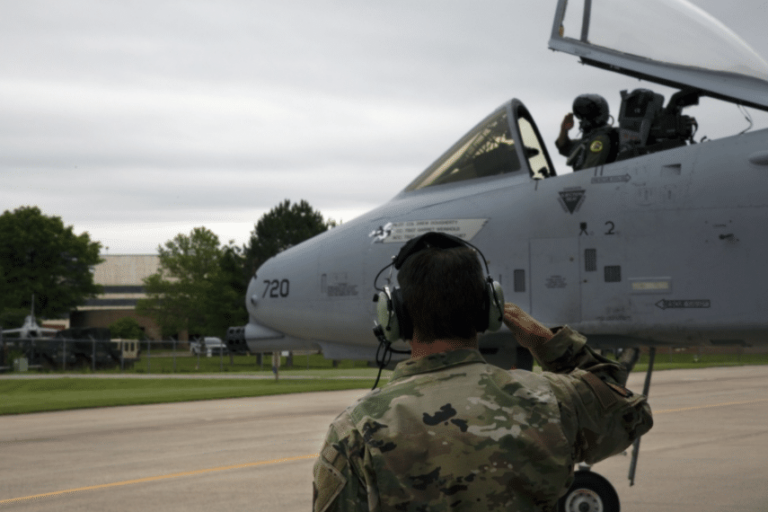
[(707, 451)]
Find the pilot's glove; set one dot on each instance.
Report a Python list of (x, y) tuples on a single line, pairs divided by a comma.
[(567, 123), (528, 332)]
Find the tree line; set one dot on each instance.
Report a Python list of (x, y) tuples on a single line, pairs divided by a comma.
[(199, 288)]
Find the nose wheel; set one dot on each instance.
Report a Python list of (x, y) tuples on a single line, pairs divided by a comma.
[(590, 492)]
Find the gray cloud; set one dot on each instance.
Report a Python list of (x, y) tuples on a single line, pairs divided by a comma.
[(138, 120)]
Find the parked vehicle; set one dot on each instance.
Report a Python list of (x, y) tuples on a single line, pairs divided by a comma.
[(208, 346)]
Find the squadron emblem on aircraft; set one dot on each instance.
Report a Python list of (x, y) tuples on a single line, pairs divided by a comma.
[(381, 234), (571, 199)]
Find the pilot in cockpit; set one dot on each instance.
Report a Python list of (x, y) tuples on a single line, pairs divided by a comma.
[(599, 143)]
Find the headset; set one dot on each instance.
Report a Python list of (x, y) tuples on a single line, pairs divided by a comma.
[(393, 321)]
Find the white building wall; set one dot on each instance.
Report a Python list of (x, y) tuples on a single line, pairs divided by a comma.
[(126, 270)]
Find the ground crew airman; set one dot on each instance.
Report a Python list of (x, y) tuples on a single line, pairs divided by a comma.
[(451, 432)]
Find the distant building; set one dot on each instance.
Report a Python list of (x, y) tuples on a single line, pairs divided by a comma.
[(122, 278)]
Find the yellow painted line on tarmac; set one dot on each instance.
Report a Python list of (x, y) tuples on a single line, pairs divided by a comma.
[(682, 409), (286, 459), (156, 478)]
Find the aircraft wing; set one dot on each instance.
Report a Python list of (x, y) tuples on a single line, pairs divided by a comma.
[(41, 330), (670, 42)]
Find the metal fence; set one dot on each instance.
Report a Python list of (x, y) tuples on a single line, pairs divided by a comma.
[(172, 356)]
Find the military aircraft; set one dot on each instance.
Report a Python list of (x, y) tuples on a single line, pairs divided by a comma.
[(30, 329), (67, 348), (663, 246)]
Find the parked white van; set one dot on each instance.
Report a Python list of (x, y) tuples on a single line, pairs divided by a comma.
[(208, 346)]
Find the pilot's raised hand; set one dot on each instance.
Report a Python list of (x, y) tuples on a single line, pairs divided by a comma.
[(526, 329), (563, 139), (567, 123)]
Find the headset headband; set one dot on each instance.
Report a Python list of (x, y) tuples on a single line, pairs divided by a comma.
[(425, 241)]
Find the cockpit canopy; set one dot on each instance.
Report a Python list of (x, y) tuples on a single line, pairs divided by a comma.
[(670, 42), (495, 147), (488, 150)]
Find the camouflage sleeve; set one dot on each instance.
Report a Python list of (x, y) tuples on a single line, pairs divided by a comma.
[(600, 416), (339, 476)]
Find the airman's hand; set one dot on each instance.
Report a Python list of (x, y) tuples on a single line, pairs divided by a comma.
[(528, 332)]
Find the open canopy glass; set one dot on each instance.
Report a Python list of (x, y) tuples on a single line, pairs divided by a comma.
[(671, 42)]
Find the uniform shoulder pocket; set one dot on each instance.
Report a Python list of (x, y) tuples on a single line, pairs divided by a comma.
[(608, 396), (328, 478)]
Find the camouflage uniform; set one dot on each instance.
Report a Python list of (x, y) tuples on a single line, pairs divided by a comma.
[(451, 432)]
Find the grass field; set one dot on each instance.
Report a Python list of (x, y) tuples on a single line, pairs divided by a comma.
[(37, 395), (684, 361), (185, 363), (317, 366), (27, 395)]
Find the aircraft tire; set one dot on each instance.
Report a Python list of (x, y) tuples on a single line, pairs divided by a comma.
[(590, 492)]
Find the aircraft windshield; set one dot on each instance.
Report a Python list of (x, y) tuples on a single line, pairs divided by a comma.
[(669, 31), (488, 150)]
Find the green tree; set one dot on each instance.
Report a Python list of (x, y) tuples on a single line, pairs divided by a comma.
[(281, 228), (126, 328), (40, 255), (192, 291), (234, 285)]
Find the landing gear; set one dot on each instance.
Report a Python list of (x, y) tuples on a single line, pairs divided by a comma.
[(628, 358), (590, 492)]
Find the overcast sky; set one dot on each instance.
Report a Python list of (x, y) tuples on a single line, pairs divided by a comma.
[(135, 121)]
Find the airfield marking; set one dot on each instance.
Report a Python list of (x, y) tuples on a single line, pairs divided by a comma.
[(709, 406), (160, 477)]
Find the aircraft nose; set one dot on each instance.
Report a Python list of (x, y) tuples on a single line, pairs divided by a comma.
[(270, 287), (280, 288)]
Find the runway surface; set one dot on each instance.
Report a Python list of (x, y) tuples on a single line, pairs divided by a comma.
[(706, 452)]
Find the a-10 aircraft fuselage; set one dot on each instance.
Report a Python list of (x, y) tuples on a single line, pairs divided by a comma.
[(664, 245), (667, 248)]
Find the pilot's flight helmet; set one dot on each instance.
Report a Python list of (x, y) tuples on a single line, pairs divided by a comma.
[(591, 110)]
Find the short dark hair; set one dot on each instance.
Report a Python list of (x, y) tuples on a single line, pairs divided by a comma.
[(443, 292)]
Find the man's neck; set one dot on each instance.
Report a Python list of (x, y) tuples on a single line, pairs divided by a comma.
[(419, 349)]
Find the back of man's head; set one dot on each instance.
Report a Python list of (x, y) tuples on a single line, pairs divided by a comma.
[(444, 293)]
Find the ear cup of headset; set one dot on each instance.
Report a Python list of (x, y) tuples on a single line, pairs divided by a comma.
[(496, 306), (385, 313), (490, 316), (392, 315)]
